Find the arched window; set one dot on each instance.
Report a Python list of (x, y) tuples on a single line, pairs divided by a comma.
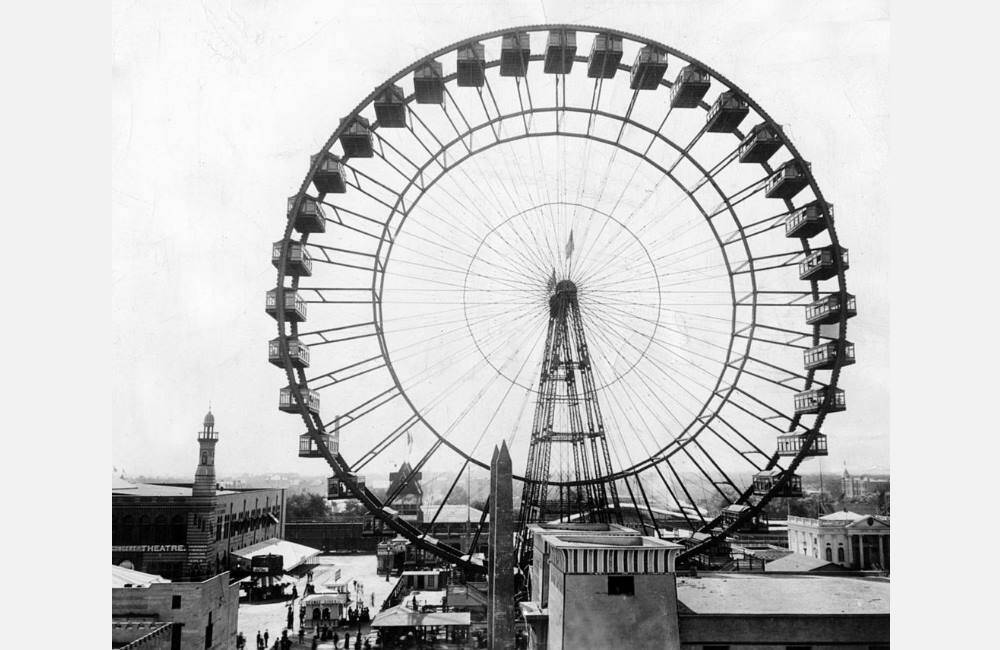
[(326, 613), (316, 612), (160, 532), (829, 554), (840, 554), (145, 529)]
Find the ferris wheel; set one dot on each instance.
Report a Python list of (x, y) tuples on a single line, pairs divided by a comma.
[(523, 211)]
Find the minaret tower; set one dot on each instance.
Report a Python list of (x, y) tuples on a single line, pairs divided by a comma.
[(204, 477), (201, 561)]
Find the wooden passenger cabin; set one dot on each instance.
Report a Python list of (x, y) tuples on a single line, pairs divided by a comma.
[(329, 177), (310, 217), (356, 139), (726, 113), (807, 221), (309, 449), (294, 308), (515, 53), (298, 262), (298, 353), (810, 402), (791, 444), (286, 401), (689, 87), (471, 65), (760, 144), (428, 83), (648, 69), (787, 180), (341, 489), (559, 51), (764, 481), (825, 355), (390, 109), (826, 310), (821, 264), (605, 56)]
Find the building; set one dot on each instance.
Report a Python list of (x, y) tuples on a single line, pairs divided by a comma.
[(601, 590), (854, 541), (856, 487), (609, 589), (151, 612), (186, 531), (404, 483), (782, 611)]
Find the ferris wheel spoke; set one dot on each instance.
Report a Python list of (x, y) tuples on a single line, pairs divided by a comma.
[(775, 414), (334, 376), (364, 408), (390, 497), (755, 449), (384, 443)]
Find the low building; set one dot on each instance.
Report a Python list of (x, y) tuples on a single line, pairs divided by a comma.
[(203, 614), (851, 540), (602, 588), (614, 590), (763, 611), (145, 635), (186, 531)]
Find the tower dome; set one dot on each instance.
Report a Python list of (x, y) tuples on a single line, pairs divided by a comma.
[(209, 419)]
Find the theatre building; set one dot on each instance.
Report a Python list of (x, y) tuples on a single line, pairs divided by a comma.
[(186, 531)]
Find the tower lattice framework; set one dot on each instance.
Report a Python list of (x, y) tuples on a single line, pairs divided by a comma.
[(567, 414)]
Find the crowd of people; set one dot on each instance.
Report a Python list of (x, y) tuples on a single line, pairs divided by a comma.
[(356, 616)]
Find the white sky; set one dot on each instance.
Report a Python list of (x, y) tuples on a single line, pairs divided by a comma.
[(217, 107)]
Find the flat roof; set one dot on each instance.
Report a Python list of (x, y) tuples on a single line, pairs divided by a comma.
[(292, 554), (156, 490), (402, 616), (122, 577), (810, 593), (597, 540)]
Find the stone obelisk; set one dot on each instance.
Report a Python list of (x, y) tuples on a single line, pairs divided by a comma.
[(501, 552)]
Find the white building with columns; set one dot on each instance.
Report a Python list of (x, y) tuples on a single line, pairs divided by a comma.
[(846, 538)]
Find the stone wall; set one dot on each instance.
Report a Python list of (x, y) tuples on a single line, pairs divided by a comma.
[(583, 615), (213, 600), (767, 632)]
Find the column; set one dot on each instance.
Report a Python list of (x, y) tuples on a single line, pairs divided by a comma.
[(881, 554)]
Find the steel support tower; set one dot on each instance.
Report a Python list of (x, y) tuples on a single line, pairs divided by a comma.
[(567, 414)]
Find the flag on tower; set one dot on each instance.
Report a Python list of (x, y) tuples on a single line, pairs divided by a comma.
[(569, 245)]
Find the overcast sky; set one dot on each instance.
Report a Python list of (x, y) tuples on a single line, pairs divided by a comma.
[(217, 107)]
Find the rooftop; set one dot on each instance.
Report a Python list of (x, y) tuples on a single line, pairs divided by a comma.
[(452, 514), (127, 488), (122, 577), (733, 593), (799, 562), (608, 541), (402, 616), (292, 554)]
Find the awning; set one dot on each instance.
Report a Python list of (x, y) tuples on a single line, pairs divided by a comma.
[(403, 616), (292, 554)]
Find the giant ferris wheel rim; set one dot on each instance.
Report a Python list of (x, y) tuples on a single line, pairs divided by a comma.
[(296, 376)]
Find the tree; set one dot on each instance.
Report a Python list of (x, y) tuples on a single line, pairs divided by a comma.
[(307, 506)]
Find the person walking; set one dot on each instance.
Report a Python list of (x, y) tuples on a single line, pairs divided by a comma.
[(290, 619), (347, 641), (336, 639), (266, 635), (302, 634), (260, 641)]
